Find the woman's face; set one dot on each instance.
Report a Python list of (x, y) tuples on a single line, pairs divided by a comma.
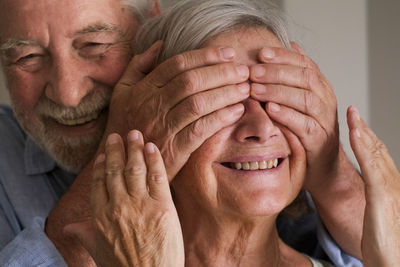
[(217, 175)]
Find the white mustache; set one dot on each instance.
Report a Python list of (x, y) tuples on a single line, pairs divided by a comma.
[(94, 102)]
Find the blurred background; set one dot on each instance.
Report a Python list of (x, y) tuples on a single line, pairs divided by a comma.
[(357, 46)]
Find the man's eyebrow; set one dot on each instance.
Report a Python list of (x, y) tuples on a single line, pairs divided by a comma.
[(13, 43), (99, 27)]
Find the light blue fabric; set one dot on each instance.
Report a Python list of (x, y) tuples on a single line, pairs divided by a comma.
[(337, 256), (30, 186)]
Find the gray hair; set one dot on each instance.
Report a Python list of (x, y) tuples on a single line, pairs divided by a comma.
[(139, 8), (188, 24)]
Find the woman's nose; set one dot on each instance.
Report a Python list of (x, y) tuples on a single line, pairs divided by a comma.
[(255, 125)]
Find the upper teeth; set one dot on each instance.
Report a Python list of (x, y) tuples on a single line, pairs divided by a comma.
[(73, 122), (255, 165)]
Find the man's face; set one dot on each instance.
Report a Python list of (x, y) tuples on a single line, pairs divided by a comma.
[(61, 59)]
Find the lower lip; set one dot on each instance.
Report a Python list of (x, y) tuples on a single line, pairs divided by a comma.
[(82, 129)]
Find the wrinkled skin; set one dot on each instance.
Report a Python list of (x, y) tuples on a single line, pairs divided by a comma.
[(381, 233)]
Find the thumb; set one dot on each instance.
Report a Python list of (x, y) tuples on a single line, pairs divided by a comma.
[(84, 232)]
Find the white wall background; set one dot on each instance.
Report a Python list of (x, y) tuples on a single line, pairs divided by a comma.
[(357, 46), (334, 35)]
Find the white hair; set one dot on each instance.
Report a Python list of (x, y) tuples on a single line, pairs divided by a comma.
[(189, 24), (140, 8)]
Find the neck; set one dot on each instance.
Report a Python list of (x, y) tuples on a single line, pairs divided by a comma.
[(228, 240)]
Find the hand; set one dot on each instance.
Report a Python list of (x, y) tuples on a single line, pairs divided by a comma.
[(300, 98), (182, 102), (381, 233), (134, 221), (73, 206)]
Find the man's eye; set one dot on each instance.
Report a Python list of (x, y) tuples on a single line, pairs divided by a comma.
[(94, 50), (30, 62)]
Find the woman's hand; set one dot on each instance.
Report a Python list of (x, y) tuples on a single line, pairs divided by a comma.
[(134, 220), (381, 232)]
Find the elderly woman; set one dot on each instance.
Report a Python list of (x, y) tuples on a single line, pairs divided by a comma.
[(227, 197)]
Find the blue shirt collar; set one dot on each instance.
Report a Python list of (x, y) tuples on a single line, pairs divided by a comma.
[(37, 161)]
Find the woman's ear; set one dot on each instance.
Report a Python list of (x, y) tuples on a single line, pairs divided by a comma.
[(155, 10)]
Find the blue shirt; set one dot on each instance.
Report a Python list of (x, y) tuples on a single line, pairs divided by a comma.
[(31, 184)]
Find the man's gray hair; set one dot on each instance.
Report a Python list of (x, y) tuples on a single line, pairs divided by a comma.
[(140, 8), (188, 24)]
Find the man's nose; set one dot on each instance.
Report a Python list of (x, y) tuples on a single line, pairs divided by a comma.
[(69, 81), (255, 125)]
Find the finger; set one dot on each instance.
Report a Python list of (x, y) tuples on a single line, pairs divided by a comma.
[(293, 76), (115, 164), (296, 47), (201, 104), (205, 78), (187, 61), (372, 155), (287, 57), (99, 195), (140, 65), (192, 136), (298, 160), (85, 233), (135, 170), (157, 180), (304, 101), (305, 127)]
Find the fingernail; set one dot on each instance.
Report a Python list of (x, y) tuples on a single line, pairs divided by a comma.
[(150, 148), (100, 158), (244, 88), (133, 136), (357, 132), (273, 107), (258, 89), (112, 139), (258, 71), (227, 53), (268, 53), (242, 70), (238, 110)]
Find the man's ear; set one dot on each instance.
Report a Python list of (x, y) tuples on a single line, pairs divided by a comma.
[(156, 10)]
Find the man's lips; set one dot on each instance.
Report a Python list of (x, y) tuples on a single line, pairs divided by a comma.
[(78, 121)]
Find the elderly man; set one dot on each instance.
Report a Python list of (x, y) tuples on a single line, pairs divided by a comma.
[(64, 61)]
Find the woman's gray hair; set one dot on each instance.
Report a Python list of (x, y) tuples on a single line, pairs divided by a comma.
[(140, 8), (188, 24)]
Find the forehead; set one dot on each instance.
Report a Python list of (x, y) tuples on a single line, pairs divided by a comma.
[(247, 42), (28, 19)]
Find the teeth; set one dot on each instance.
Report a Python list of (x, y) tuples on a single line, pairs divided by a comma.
[(73, 122), (246, 166), (255, 165), (238, 165)]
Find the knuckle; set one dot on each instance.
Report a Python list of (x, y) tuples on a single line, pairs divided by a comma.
[(196, 106), (189, 80), (197, 130), (134, 170), (114, 168), (179, 62), (311, 127)]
